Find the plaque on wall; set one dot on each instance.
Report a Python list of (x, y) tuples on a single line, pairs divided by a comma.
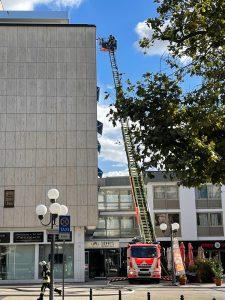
[(57, 238), (28, 237), (9, 198), (4, 237)]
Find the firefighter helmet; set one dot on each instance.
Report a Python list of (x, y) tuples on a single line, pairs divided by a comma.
[(42, 263)]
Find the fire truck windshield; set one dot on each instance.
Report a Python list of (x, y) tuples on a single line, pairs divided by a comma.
[(143, 252)]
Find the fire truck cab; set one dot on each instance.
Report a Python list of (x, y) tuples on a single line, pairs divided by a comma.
[(143, 262)]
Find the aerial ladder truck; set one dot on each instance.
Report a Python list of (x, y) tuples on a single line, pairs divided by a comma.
[(138, 266)]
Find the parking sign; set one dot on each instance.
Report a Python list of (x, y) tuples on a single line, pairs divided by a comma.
[(64, 224)]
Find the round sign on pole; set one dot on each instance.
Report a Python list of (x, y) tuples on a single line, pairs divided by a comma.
[(217, 245)]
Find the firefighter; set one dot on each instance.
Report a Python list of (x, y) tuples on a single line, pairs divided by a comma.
[(46, 280), (112, 42)]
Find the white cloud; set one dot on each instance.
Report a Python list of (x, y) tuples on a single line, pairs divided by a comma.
[(30, 4), (158, 47), (116, 173), (111, 141)]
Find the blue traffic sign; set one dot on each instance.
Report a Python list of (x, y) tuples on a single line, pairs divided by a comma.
[(64, 224)]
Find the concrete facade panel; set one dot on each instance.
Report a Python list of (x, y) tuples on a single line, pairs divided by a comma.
[(48, 102)]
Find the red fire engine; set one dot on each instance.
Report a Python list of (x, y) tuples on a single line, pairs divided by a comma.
[(143, 261)]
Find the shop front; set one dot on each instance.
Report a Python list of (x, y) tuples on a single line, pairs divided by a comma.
[(21, 252), (104, 259), (212, 249)]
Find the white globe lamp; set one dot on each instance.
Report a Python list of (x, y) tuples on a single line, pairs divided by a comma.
[(163, 227), (55, 208), (53, 195), (64, 210), (175, 226), (41, 210)]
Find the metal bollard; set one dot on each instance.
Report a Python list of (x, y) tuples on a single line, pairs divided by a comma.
[(181, 297), (120, 295), (90, 294), (148, 296)]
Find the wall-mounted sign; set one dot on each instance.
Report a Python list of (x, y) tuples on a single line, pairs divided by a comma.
[(4, 237), (28, 237), (101, 244), (9, 198), (57, 237)]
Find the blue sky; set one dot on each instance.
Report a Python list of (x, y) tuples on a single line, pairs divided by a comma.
[(125, 20)]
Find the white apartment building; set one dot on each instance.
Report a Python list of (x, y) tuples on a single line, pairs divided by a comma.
[(48, 139), (199, 211)]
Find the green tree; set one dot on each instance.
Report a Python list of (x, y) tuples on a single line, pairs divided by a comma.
[(174, 130)]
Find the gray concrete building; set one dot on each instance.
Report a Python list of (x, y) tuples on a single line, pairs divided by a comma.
[(48, 138)]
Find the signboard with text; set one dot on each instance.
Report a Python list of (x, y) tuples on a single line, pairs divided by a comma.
[(57, 237), (101, 244), (28, 237)]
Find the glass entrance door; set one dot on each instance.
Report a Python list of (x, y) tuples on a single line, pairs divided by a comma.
[(112, 262)]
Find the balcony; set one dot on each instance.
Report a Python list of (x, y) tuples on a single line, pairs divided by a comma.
[(210, 231)]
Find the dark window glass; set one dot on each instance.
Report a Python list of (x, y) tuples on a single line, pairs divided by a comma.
[(174, 218), (143, 252), (216, 219), (202, 192), (202, 219), (160, 218)]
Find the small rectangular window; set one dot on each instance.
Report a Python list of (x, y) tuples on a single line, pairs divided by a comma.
[(159, 192), (160, 218), (202, 220), (216, 219), (171, 192), (9, 198)]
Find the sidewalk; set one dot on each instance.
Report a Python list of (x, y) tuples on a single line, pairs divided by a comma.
[(102, 291)]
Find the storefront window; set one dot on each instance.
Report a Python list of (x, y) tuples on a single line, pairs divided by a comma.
[(44, 254), (17, 262)]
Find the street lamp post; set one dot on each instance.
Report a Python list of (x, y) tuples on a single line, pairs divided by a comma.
[(174, 227), (55, 210)]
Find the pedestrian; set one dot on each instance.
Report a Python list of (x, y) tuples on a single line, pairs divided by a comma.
[(45, 273)]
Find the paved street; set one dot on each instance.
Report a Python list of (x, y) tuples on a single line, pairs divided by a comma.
[(129, 292)]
